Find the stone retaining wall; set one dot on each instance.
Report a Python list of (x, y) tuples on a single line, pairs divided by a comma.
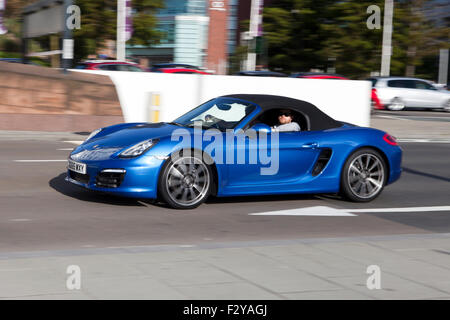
[(44, 99)]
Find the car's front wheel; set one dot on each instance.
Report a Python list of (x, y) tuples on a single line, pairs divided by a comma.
[(185, 181), (447, 106), (364, 175)]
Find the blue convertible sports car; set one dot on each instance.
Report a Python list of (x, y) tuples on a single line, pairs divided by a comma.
[(228, 147)]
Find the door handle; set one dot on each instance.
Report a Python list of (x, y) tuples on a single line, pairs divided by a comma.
[(311, 145)]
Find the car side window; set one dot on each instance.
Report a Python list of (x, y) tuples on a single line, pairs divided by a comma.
[(270, 118), (394, 84), (134, 68), (409, 84), (109, 67), (424, 85)]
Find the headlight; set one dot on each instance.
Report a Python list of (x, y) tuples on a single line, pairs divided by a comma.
[(137, 149), (93, 134)]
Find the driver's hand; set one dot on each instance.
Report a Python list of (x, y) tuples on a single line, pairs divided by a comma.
[(209, 117)]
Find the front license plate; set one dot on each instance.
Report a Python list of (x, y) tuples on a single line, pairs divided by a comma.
[(77, 167)]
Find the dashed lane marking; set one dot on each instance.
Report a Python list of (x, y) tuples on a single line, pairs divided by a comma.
[(75, 142)]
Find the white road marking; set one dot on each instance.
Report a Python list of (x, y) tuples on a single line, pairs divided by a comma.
[(19, 220), (408, 209), (65, 149), (403, 140), (323, 211), (309, 211), (75, 142), (391, 117), (32, 161)]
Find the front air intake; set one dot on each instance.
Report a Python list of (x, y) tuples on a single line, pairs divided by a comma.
[(111, 178), (322, 161)]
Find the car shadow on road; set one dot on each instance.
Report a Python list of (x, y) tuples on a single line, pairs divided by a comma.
[(268, 198), (68, 189), (425, 174)]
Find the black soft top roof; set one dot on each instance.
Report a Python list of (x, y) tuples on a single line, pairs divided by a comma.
[(318, 120)]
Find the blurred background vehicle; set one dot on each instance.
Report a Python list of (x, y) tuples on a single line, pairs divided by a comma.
[(441, 86), (176, 68), (375, 102), (398, 93), (109, 65), (318, 75), (261, 73)]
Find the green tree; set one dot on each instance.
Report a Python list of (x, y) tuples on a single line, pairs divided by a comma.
[(98, 24), (356, 48), (304, 35), (296, 31), (417, 38)]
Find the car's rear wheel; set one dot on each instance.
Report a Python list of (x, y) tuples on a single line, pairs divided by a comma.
[(396, 105), (363, 176), (186, 181)]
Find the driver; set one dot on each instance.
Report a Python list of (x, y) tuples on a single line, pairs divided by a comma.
[(285, 119)]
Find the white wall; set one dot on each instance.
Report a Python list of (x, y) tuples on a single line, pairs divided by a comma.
[(344, 100)]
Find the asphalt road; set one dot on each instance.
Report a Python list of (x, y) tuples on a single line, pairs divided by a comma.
[(412, 114), (40, 211)]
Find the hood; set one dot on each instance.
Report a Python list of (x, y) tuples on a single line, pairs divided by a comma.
[(129, 136), (106, 145)]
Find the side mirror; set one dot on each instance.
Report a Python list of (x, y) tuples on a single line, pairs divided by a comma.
[(261, 127)]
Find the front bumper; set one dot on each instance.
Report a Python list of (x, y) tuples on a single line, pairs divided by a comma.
[(139, 177)]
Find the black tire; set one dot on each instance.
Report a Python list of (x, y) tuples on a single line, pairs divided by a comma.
[(364, 170), (447, 106), (396, 104), (173, 180)]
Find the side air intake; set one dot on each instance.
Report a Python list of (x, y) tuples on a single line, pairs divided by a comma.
[(322, 161)]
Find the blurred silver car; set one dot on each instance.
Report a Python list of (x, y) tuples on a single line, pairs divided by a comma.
[(399, 93)]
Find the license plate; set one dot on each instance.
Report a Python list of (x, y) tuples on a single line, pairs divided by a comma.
[(77, 167)]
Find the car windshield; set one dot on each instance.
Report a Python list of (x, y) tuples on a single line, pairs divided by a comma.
[(220, 113)]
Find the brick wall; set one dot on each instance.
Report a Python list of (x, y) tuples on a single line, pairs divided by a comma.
[(217, 36), (44, 99)]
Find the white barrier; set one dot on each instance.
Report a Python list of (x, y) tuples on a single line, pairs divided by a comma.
[(163, 97)]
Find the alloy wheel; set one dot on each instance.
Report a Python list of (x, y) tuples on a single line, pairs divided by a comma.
[(366, 175), (188, 181)]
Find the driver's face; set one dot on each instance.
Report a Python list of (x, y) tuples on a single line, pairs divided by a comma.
[(283, 119)]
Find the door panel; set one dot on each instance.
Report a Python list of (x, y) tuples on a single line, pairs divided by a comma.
[(288, 163)]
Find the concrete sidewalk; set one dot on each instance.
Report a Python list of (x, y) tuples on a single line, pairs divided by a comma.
[(412, 267), (403, 128)]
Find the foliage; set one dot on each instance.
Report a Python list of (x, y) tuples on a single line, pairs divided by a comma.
[(98, 24), (327, 34), (99, 21)]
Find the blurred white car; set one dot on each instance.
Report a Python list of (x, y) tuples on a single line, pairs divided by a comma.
[(399, 93)]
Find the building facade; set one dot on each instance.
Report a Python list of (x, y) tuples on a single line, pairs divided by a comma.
[(198, 32)]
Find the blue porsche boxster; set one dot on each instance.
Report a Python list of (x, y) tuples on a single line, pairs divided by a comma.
[(234, 145)]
